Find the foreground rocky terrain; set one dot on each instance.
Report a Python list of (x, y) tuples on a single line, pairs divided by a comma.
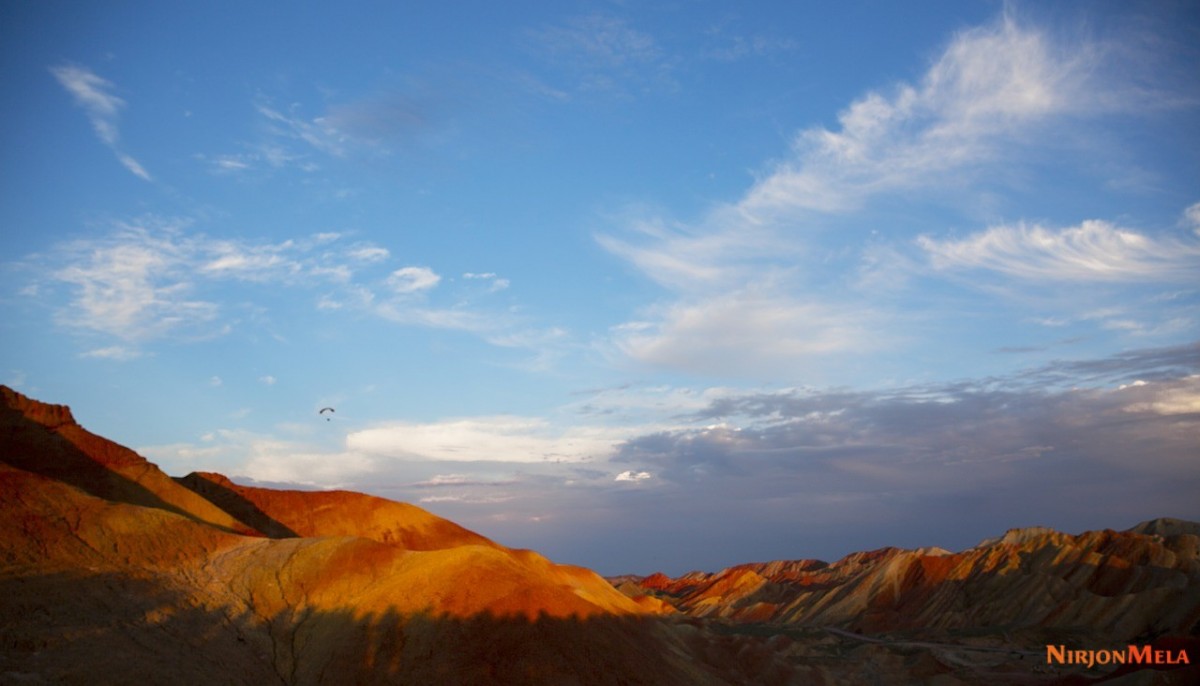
[(111, 572)]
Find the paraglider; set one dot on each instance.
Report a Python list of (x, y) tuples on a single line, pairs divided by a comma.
[(324, 410)]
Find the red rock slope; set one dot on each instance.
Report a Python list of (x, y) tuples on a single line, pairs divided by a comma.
[(111, 572), (45, 439), (1108, 584), (287, 513)]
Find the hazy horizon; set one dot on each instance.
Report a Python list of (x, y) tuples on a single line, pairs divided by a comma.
[(655, 288)]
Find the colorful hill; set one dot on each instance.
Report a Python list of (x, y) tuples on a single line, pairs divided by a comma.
[(111, 572)]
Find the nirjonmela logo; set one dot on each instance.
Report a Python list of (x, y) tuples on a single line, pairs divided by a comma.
[(1129, 655)]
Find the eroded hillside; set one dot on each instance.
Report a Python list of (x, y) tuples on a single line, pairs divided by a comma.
[(111, 572)]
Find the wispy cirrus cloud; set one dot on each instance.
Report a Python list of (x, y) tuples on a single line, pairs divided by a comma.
[(154, 279), (994, 90), (604, 54), (1093, 251), (495, 283), (1191, 218), (375, 125), (94, 94), (135, 285), (757, 274), (989, 95), (317, 132), (113, 352)]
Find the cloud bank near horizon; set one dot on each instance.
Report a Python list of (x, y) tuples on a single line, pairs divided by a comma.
[(1080, 441)]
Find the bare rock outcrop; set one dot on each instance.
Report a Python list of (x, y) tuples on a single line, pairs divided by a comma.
[(45, 439), (113, 573), (1118, 585)]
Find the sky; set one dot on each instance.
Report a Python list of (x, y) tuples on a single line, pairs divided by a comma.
[(645, 287)]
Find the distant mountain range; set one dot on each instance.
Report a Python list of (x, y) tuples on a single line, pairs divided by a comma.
[(112, 572), (1116, 586)]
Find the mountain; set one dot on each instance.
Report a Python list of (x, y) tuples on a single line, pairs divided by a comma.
[(111, 572), (45, 439), (1114, 585), (286, 514)]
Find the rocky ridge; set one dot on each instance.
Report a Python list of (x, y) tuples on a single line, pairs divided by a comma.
[(1111, 585), (111, 572)]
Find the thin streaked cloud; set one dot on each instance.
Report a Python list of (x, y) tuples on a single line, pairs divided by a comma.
[(750, 279), (598, 53), (1093, 251), (156, 279), (95, 95), (990, 86)]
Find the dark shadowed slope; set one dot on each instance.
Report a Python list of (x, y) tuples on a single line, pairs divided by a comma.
[(45, 439)]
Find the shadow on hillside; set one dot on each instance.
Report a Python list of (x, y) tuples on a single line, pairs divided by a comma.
[(114, 629), (72, 628), (991, 626), (35, 448), (232, 502)]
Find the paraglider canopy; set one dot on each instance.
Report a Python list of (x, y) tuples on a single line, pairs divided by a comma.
[(324, 410)]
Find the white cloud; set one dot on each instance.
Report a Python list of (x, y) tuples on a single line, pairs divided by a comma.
[(446, 480), (291, 462), (134, 166), (750, 279), (362, 127), (230, 163), (1180, 397), (133, 285), (262, 457), (319, 132), (270, 155), (92, 93), (215, 381), (369, 253), (990, 85), (630, 475), (413, 279), (746, 332), (727, 250), (234, 261), (495, 283), (268, 380), (1192, 217), (114, 352), (987, 91), (485, 439), (144, 280), (103, 108), (1093, 251)]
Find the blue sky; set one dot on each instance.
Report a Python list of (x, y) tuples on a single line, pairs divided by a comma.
[(644, 287)]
